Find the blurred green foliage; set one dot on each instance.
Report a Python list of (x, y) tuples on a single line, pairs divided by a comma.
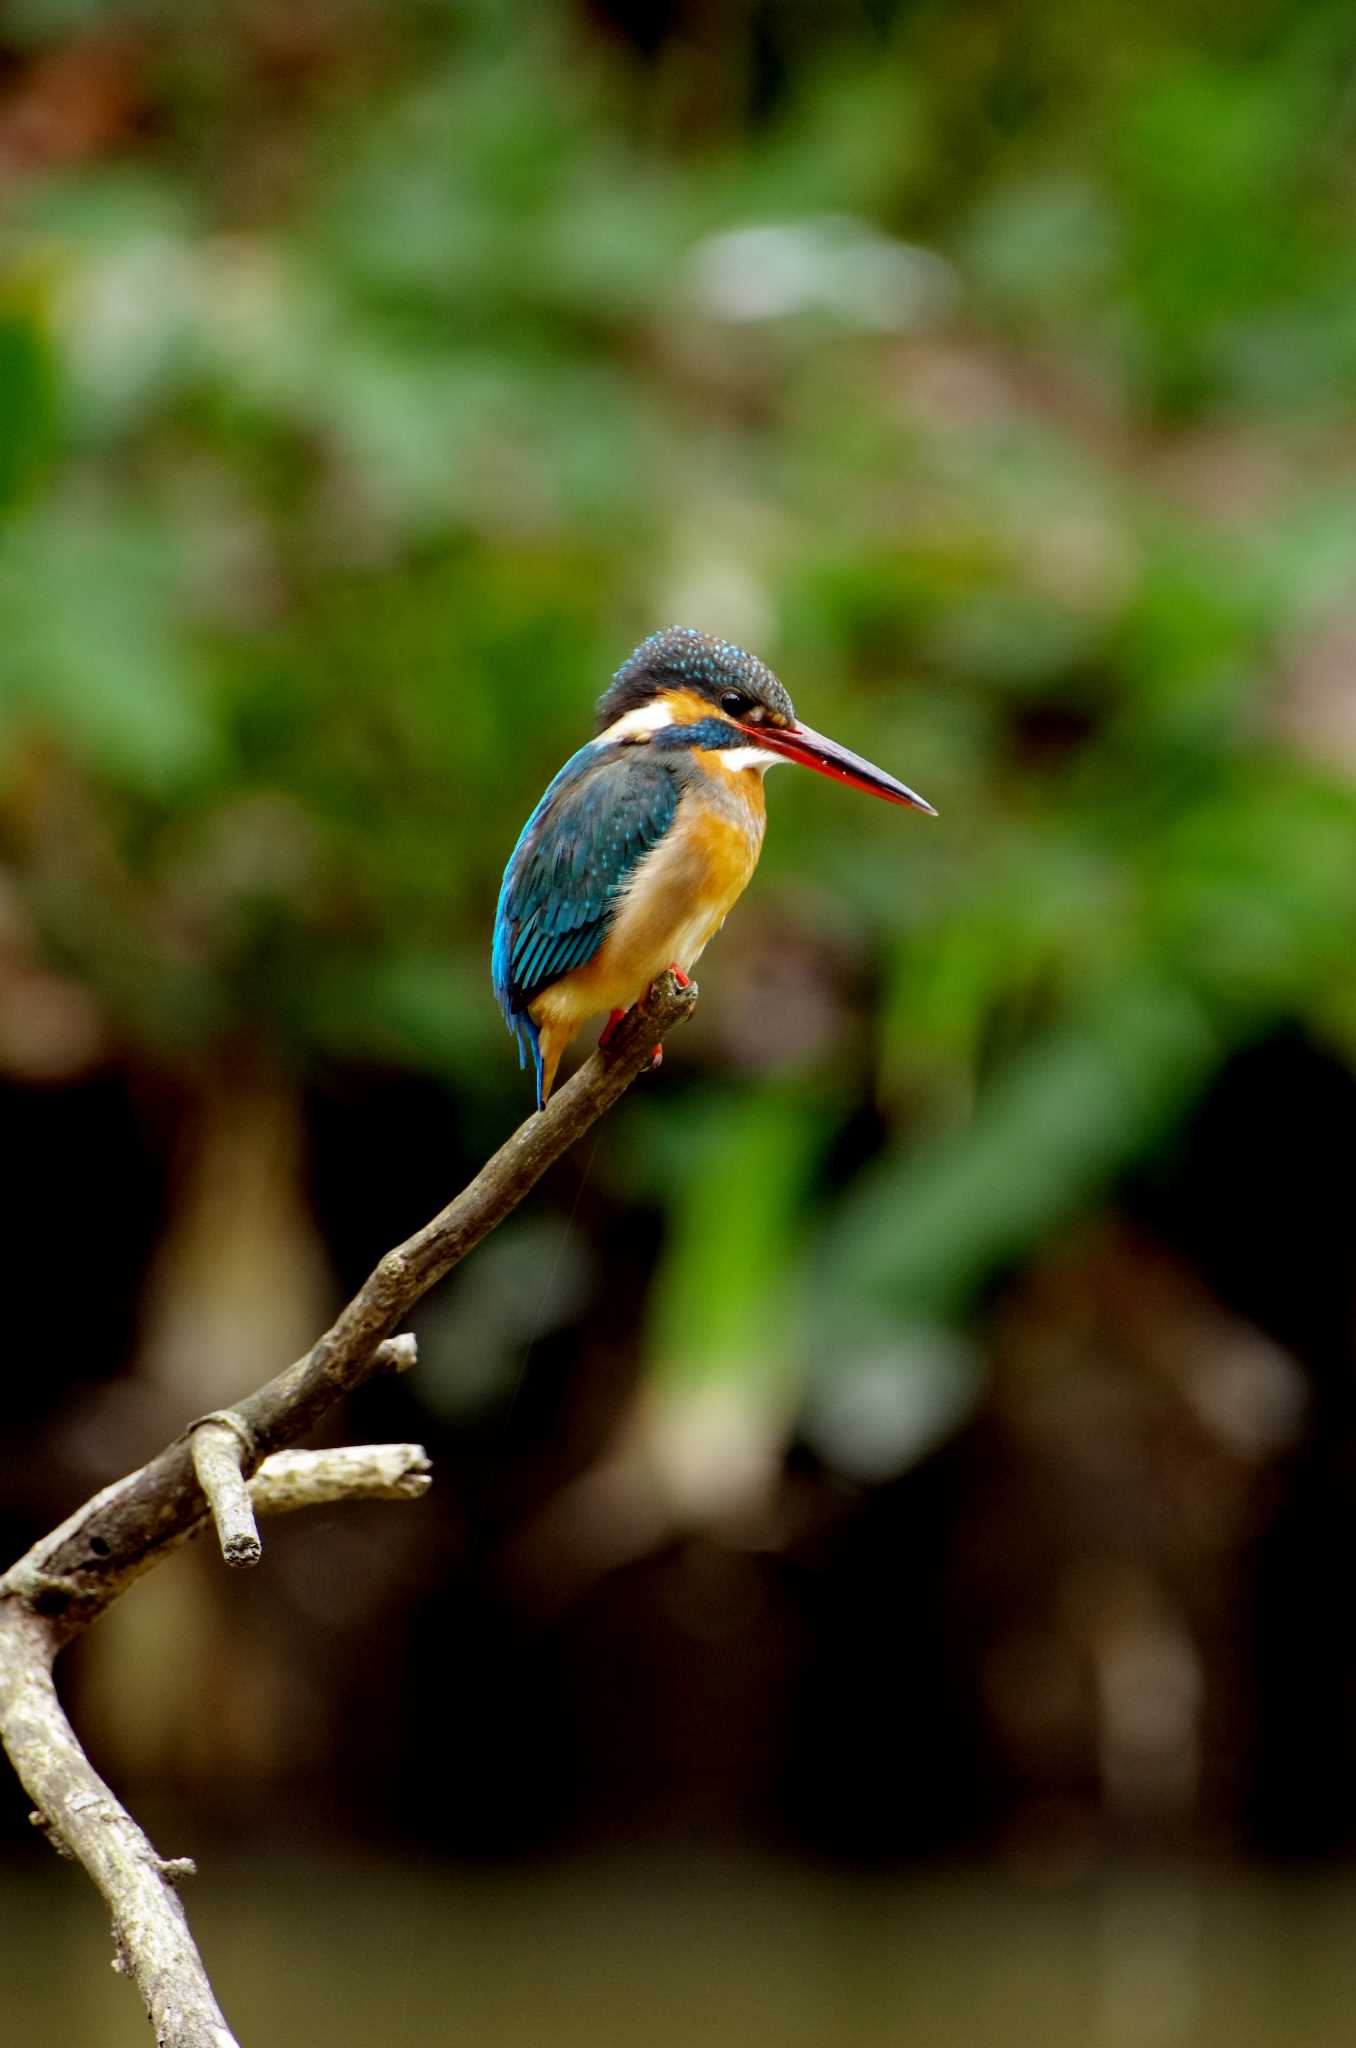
[(371, 381)]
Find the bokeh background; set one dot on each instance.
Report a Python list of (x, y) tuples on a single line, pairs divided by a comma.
[(888, 1573)]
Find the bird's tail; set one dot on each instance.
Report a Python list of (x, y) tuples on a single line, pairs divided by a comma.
[(529, 1041)]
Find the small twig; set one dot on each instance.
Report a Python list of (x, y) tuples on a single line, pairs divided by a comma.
[(307, 1479), (222, 1446)]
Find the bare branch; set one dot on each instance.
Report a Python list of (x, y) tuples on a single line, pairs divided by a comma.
[(220, 1445), (311, 1479), (76, 1809), (73, 1574), (69, 1577)]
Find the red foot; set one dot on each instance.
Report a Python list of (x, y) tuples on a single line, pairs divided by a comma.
[(608, 1031), (683, 980)]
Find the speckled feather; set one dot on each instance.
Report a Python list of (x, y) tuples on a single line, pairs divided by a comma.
[(681, 655)]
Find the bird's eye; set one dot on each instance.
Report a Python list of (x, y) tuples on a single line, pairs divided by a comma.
[(736, 704)]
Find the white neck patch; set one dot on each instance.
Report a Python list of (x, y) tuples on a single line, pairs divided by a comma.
[(635, 725)]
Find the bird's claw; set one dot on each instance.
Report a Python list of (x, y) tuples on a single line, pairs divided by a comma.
[(608, 1032)]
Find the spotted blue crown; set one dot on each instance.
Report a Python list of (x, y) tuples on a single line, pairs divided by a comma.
[(681, 655)]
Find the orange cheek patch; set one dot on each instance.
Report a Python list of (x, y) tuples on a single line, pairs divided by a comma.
[(686, 708)]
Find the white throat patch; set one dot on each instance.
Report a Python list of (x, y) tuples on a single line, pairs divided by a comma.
[(735, 758)]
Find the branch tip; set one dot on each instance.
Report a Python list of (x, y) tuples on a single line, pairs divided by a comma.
[(307, 1479), (221, 1445), (397, 1354)]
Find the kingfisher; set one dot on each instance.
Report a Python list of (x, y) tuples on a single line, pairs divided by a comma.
[(648, 836)]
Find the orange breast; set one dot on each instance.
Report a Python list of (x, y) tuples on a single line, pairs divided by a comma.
[(729, 817), (678, 900)]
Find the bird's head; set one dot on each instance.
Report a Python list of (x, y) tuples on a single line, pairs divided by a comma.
[(682, 678)]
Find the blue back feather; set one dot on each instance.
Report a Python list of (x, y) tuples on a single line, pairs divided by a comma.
[(607, 808)]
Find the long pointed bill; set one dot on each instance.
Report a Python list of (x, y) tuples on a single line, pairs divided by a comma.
[(802, 743)]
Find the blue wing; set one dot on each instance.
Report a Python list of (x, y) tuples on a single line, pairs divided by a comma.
[(603, 813)]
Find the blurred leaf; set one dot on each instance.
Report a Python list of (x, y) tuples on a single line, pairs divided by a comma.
[(733, 1202), (424, 1009), (91, 650), (1043, 243), (922, 1233), (27, 404)]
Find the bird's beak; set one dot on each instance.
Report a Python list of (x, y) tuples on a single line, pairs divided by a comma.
[(802, 743)]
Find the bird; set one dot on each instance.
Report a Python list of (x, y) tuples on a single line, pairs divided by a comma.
[(647, 837)]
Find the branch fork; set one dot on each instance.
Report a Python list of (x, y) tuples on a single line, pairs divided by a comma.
[(232, 1466)]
